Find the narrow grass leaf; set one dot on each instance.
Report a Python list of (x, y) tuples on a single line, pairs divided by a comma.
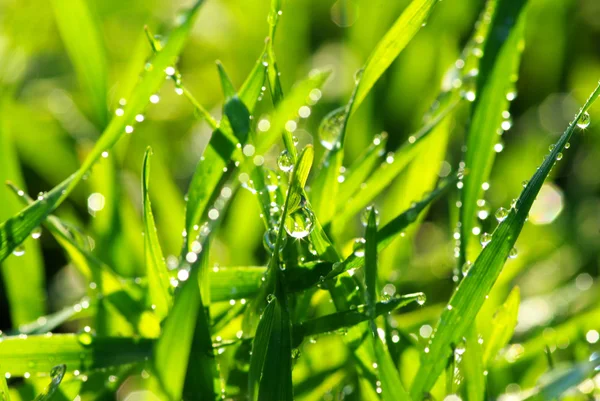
[(259, 349), (56, 376), (502, 326), (488, 118), (226, 84), (273, 72), (15, 230), (235, 282), (38, 354), (183, 356), (395, 40), (473, 367), (471, 292), (371, 266), (251, 89), (81, 35), (156, 269), (4, 394), (46, 324)]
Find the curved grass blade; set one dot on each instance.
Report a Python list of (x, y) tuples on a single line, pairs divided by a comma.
[(81, 35), (183, 355), (38, 354), (259, 349), (252, 87), (26, 298), (226, 84), (488, 117), (235, 282), (46, 324), (57, 373), (156, 268), (394, 41), (502, 326), (15, 230), (471, 292)]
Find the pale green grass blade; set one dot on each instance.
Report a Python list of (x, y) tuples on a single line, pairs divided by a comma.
[(273, 71), (156, 269), (226, 84), (38, 354), (395, 40), (554, 389), (259, 349), (473, 367), (26, 297), (46, 324), (56, 374), (483, 133), (383, 176), (392, 388), (235, 282), (252, 87), (4, 395), (371, 293), (502, 326), (183, 356), (80, 32), (470, 294), (15, 230)]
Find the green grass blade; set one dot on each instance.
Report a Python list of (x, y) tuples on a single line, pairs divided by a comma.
[(82, 38), (57, 373), (15, 230), (259, 349), (392, 388), (502, 326), (473, 367), (394, 41), (156, 269), (235, 282), (383, 176), (252, 87), (26, 298), (273, 72), (46, 324), (483, 133), (40, 353), (470, 295), (371, 266), (4, 394), (226, 84), (183, 356)]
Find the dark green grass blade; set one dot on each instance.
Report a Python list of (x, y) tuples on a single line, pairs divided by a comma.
[(83, 352), (26, 298), (82, 38), (502, 326), (259, 349), (226, 84), (4, 395), (156, 269), (15, 230), (57, 373), (394, 41), (470, 295), (557, 387), (183, 356), (486, 121), (371, 266)]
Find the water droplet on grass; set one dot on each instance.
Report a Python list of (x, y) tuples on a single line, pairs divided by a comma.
[(284, 161), (36, 233), (364, 217), (19, 251), (299, 223), (584, 121), (501, 214)]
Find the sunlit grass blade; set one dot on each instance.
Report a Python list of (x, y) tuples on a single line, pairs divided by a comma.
[(471, 292), (15, 230), (40, 353), (395, 40), (235, 282), (26, 298), (259, 349), (273, 71), (490, 116), (556, 387), (252, 87), (226, 84), (502, 326), (156, 269), (383, 176), (81, 35), (473, 367), (183, 355), (56, 374), (45, 324), (371, 293), (358, 172)]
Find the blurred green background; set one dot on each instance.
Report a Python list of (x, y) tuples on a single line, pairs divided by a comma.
[(51, 121)]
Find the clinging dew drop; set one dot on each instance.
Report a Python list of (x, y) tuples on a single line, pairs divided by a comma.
[(584, 121)]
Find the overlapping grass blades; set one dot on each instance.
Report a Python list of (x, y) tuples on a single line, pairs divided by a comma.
[(15, 230), (470, 294)]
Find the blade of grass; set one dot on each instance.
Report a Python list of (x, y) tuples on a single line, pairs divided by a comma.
[(57, 373), (473, 367), (183, 355), (273, 72), (4, 394), (252, 87), (395, 40), (502, 326), (156, 269), (46, 324), (486, 121), (82, 38), (471, 292), (26, 298), (235, 282), (38, 354), (16, 229)]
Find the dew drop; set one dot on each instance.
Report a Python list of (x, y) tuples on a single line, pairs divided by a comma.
[(36, 233), (359, 247), (584, 120), (513, 253), (331, 128), (284, 161), (271, 298), (364, 217), (501, 214), (466, 267), (421, 299), (19, 251), (299, 223), (485, 239)]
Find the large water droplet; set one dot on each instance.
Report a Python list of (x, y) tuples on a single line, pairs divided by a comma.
[(331, 128), (19, 251), (466, 267), (36, 233), (284, 161), (501, 214), (513, 253), (485, 239), (270, 239), (364, 217), (299, 223), (584, 121), (421, 299)]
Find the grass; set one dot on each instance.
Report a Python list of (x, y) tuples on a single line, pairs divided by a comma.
[(317, 314)]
